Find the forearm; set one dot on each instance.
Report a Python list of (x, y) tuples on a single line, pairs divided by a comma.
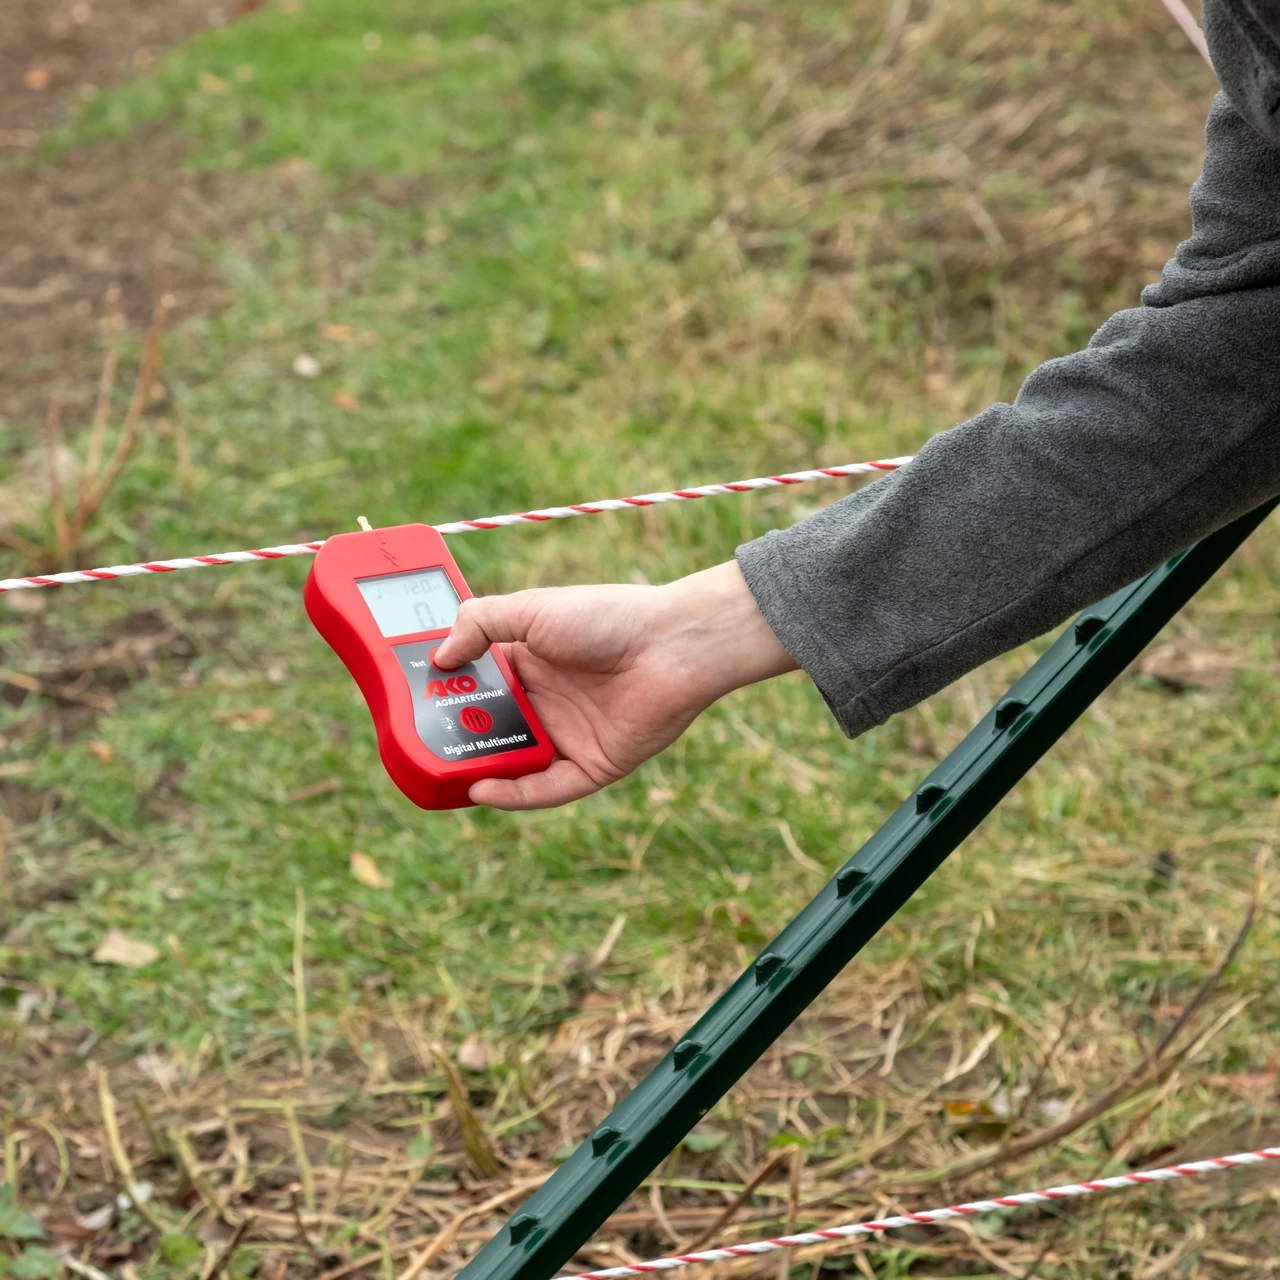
[(1166, 427), (718, 640)]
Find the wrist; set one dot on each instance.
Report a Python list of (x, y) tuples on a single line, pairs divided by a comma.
[(723, 640)]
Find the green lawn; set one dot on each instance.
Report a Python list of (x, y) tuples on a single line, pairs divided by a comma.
[(547, 252)]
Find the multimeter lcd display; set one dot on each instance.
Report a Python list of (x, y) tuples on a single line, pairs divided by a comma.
[(403, 604)]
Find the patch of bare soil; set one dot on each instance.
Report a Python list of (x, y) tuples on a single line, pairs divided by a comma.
[(55, 51), (120, 212)]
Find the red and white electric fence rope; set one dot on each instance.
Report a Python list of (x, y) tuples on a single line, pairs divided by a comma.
[(111, 572), (970, 1210)]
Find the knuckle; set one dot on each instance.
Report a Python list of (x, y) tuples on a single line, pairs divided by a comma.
[(471, 616)]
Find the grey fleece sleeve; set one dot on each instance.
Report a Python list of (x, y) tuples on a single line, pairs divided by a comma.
[(1164, 428)]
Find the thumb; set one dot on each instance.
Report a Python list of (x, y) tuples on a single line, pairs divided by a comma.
[(481, 622)]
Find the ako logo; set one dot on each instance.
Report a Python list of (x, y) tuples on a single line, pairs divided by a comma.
[(446, 688)]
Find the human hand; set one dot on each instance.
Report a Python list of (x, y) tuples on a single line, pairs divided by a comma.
[(615, 673)]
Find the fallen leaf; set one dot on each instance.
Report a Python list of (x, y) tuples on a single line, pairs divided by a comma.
[(366, 870), (101, 751), (660, 795), (437, 234), (157, 1068), (210, 83), (976, 1118), (63, 1230), (98, 1219), (241, 721), (475, 1054), (306, 366), (337, 332), (345, 400), (38, 78), (118, 948)]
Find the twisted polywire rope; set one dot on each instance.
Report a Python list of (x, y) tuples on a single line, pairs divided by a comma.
[(111, 572), (969, 1210)]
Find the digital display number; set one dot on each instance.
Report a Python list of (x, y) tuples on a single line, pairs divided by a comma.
[(403, 604)]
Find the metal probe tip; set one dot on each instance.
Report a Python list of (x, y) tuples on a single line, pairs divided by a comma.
[(365, 526)]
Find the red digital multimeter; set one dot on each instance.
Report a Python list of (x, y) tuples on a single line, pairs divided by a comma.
[(384, 599)]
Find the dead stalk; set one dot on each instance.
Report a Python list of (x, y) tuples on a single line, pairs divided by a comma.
[(766, 1170), (100, 473), (113, 327), (158, 1150), (53, 462), (102, 483), (1068, 1020), (224, 1257), (120, 1156), (446, 1237), (388, 1211), (793, 1204), (300, 984), (1154, 1069), (76, 1267), (306, 1175), (475, 1139), (204, 1188), (660, 1209), (306, 1240), (334, 1197)]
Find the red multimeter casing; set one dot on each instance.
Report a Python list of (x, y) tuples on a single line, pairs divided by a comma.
[(384, 600)]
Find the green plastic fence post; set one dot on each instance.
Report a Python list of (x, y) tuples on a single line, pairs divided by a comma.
[(864, 894)]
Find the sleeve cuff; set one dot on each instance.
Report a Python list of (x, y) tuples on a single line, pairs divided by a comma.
[(802, 632)]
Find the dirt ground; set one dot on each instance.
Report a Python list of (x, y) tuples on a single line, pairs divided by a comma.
[(118, 212)]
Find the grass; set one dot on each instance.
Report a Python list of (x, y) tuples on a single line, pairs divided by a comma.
[(552, 252)]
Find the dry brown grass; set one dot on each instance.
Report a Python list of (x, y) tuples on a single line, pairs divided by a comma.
[(899, 1100), (962, 180), (69, 490)]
